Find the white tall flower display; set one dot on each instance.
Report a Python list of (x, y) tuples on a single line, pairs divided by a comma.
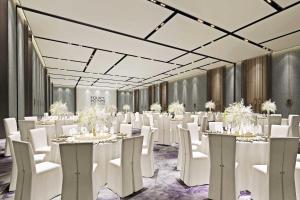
[(269, 106), (58, 108), (155, 107), (126, 107), (210, 105), (176, 108)]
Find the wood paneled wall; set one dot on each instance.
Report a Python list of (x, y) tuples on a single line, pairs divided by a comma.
[(163, 94), (216, 87), (151, 95), (136, 97), (256, 74)]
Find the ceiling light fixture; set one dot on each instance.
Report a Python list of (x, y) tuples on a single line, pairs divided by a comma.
[(246, 40), (163, 5), (199, 20), (269, 1), (213, 26)]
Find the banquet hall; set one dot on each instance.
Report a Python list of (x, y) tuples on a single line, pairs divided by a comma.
[(149, 99)]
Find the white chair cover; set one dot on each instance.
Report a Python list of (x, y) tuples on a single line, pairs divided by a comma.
[(275, 181), (195, 136), (279, 131), (78, 171), (222, 167), (39, 140), (297, 179), (203, 124), (10, 126), (25, 126), (146, 120), (147, 159), (125, 174), (272, 120), (294, 125), (35, 181), (70, 130), (216, 127), (146, 133), (59, 124), (31, 118), (126, 129)]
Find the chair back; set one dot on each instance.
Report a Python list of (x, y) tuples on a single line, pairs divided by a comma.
[(126, 129), (146, 120), (25, 126), (222, 150), (195, 119), (294, 125), (203, 123), (26, 170), (210, 116), (31, 118), (186, 120), (10, 126), (151, 141), (186, 154), (216, 126), (59, 124), (283, 153), (274, 119), (69, 130), (77, 168), (279, 131), (146, 133), (38, 138), (193, 128), (136, 162)]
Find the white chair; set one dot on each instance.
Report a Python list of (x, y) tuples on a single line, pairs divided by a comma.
[(37, 159), (10, 126), (146, 120), (272, 120), (35, 181), (297, 179), (216, 127), (147, 159), (70, 130), (59, 124), (195, 135), (275, 181), (25, 126), (79, 180), (125, 174), (186, 120), (210, 116), (39, 140), (279, 131), (294, 125), (126, 129), (31, 118), (203, 124), (145, 131), (195, 165), (196, 119), (222, 167)]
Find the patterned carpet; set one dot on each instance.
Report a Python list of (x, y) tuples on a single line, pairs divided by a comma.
[(165, 184)]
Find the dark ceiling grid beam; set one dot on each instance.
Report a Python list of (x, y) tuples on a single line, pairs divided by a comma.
[(115, 32), (67, 79), (78, 81), (208, 24), (281, 36), (64, 59), (115, 64), (273, 4), (90, 59)]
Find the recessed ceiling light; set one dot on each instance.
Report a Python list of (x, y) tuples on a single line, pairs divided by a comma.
[(162, 24), (157, 28), (213, 26), (163, 5), (246, 40), (199, 20), (269, 1)]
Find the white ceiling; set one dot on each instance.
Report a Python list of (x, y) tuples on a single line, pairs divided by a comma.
[(134, 41)]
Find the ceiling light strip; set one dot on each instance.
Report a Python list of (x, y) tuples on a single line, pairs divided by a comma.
[(274, 5), (90, 59), (115, 64), (116, 32), (281, 36), (64, 59)]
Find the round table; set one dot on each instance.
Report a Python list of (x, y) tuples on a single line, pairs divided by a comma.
[(247, 155), (103, 153)]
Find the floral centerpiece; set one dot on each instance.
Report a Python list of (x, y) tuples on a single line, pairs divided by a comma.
[(126, 107), (269, 107), (238, 114), (210, 105), (176, 108), (58, 108), (110, 109), (155, 107)]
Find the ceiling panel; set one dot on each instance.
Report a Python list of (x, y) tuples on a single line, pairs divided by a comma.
[(62, 30), (102, 61), (194, 72), (232, 49), (141, 68), (185, 33), (187, 58), (57, 76), (108, 85), (135, 17), (277, 25), (88, 79), (63, 64), (193, 65), (284, 42), (229, 14), (70, 83), (285, 3), (215, 65), (156, 78), (61, 50)]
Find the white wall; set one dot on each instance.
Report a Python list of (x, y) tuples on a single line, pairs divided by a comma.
[(83, 96)]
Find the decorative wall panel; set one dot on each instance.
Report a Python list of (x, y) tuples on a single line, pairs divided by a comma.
[(216, 82)]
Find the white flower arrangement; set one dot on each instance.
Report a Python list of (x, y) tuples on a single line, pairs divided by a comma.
[(58, 108), (237, 113), (269, 106), (155, 107), (110, 109), (176, 108), (126, 107), (210, 105)]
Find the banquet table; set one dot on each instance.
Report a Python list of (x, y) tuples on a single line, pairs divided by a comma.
[(102, 153), (247, 155)]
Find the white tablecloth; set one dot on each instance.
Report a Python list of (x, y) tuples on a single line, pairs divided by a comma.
[(103, 153), (247, 155)]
